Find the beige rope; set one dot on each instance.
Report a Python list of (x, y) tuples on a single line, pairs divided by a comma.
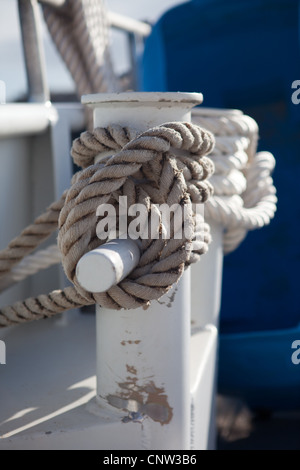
[(149, 159), (244, 194), (43, 306), (31, 264), (31, 237), (80, 32)]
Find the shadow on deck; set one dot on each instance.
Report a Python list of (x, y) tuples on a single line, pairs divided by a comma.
[(241, 429)]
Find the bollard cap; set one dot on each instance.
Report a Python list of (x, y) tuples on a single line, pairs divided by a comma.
[(162, 98)]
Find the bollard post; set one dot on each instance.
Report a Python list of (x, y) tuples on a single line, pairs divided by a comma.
[(143, 356)]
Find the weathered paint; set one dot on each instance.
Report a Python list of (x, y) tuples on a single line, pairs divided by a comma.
[(137, 341), (147, 400)]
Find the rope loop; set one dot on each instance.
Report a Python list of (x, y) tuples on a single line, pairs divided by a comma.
[(164, 165)]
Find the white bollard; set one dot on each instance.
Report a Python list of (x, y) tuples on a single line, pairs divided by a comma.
[(143, 356), (206, 281), (116, 108), (115, 260)]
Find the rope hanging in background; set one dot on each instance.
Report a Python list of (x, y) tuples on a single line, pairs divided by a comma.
[(80, 32)]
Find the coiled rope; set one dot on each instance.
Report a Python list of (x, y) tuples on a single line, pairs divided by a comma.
[(146, 171), (244, 194)]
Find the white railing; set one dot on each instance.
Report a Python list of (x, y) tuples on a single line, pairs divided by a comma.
[(135, 32)]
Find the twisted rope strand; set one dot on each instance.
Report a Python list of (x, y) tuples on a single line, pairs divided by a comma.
[(165, 186), (31, 237), (245, 199), (80, 32), (244, 194), (147, 157)]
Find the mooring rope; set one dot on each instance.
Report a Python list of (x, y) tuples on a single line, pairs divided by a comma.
[(244, 193), (146, 171), (80, 32)]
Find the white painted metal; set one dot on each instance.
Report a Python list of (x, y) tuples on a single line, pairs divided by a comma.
[(2, 92), (54, 3), (106, 266), (53, 402), (32, 41), (25, 118), (206, 281), (203, 366), (70, 118), (52, 409), (35, 141), (15, 187), (143, 370), (141, 111), (131, 375), (148, 367), (126, 23), (154, 108), (206, 287)]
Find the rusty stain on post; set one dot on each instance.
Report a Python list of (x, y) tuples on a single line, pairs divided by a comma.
[(137, 341), (131, 369), (148, 400), (172, 297)]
